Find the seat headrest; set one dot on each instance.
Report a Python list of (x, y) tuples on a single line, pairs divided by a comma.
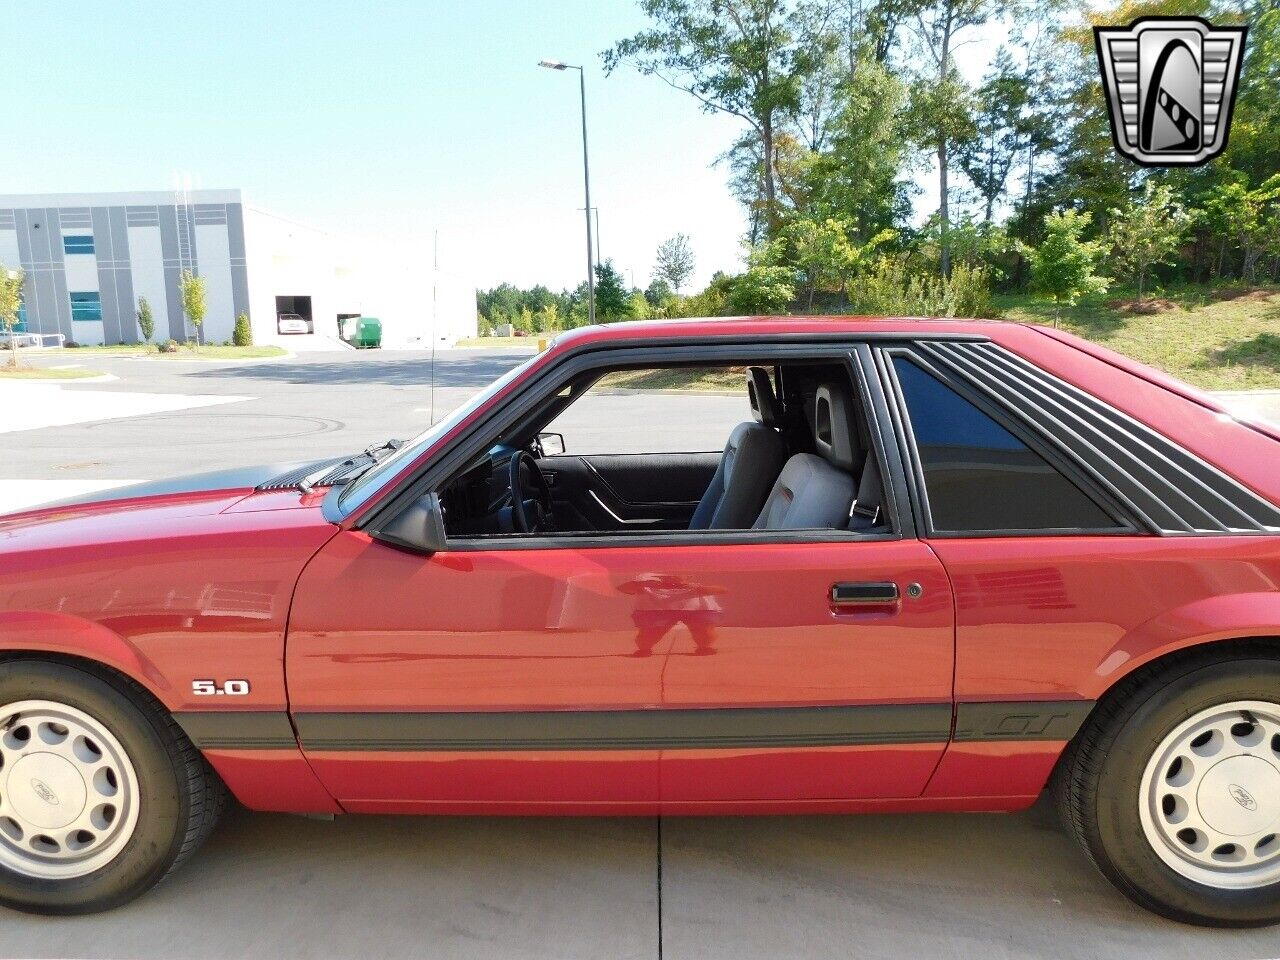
[(833, 426), (764, 402)]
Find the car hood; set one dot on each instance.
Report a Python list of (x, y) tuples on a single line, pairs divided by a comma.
[(233, 478), (168, 569), (138, 506)]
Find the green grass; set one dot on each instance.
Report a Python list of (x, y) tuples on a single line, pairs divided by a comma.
[(1225, 338), (45, 373), (206, 352), (692, 379)]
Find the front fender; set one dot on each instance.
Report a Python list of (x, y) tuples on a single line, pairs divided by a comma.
[(61, 633), (1227, 617)]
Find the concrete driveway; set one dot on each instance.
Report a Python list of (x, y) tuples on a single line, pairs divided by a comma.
[(982, 886), (275, 886)]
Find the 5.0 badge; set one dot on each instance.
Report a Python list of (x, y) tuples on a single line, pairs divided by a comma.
[(212, 688)]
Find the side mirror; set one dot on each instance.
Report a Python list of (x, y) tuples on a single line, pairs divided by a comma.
[(420, 527), (550, 444)]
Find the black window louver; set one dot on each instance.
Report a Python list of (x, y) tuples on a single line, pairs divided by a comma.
[(1166, 486)]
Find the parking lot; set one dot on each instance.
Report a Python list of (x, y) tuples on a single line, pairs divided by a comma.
[(273, 886)]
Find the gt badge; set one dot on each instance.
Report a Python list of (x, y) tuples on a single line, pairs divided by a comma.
[(1170, 85)]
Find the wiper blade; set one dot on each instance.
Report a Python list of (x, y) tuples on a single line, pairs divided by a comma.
[(377, 448)]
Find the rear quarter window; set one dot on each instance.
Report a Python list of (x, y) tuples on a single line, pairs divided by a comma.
[(980, 477)]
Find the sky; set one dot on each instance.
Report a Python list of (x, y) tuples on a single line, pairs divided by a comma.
[(388, 120)]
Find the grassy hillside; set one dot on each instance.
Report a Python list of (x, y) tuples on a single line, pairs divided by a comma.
[(1216, 338)]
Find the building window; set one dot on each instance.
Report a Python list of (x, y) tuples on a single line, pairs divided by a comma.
[(81, 243), (21, 325), (86, 306), (980, 477)]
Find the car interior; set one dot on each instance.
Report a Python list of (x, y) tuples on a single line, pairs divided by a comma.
[(803, 461)]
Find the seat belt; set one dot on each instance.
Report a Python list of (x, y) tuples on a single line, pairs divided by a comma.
[(865, 512)]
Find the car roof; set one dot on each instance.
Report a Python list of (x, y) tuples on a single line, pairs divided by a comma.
[(754, 326)]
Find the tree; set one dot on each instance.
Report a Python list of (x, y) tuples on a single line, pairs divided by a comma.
[(857, 177), (242, 335), (548, 317), (658, 292), (942, 102), (987, 158), (1248, 217), (191, 288), (1063, 266), (744, 58), (823, 251), (1147, 231), (612, 299), (146, 319), (674, 262), (10, 303)]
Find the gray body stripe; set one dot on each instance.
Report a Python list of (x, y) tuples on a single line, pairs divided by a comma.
[(658, 729), (235, 730)]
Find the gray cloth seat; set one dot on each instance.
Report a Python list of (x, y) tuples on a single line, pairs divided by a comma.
[(816, 490), (751, 462)]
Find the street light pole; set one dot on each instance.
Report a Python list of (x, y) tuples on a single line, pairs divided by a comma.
[(586, 184)]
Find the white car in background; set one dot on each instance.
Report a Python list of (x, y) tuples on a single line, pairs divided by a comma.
[(292, 323)]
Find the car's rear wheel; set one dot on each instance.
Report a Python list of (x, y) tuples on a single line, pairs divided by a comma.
[(1173, 788), (101, 795)]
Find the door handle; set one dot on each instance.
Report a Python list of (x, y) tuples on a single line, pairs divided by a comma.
[(863, 593)]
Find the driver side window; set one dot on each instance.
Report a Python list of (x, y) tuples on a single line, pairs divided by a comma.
[(673, 410), (737, 447)]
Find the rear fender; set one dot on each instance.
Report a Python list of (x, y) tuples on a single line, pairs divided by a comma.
[(1213, 619)]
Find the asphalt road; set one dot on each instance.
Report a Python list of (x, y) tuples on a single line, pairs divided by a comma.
[(312, 405), (273, 886)]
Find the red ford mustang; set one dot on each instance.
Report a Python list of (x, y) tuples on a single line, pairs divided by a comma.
[(936, 566)]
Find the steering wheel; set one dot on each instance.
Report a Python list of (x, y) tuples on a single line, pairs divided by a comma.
[(529, 515)]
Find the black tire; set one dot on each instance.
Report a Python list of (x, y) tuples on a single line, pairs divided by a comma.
[(1097, 783), (180, 796)]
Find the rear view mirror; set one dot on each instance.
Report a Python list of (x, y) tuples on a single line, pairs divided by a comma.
[(420, 527), (550, 445)]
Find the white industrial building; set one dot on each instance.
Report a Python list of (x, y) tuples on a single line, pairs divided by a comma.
[(88, 258)]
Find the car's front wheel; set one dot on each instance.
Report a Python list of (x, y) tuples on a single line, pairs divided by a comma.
[(101, 795), (1173, 788)]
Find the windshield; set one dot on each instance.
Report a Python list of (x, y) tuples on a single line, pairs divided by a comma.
[(377, 477)]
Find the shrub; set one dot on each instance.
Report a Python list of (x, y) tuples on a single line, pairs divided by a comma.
[(146, 319), (169, 346), (763, 289), (70, 343), (892, 288)]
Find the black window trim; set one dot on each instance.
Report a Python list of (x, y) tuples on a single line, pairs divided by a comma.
[(841, 349), (1129, 522)]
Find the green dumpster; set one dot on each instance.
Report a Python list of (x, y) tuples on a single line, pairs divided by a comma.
[(362, 332)]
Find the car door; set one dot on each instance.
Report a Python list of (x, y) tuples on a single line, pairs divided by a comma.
[(557, 676), (472, 679), (611, 673)]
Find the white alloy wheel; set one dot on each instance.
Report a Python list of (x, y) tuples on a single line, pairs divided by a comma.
[(1210, 796), (68, 791)]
